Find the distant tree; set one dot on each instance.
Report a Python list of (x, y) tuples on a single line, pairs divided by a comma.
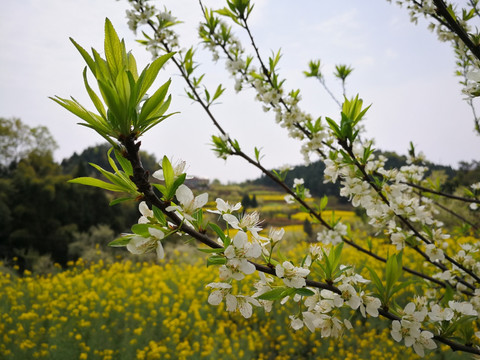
[(307, 228), (56, 209), (253, 201), (17, 140), (246, 202)]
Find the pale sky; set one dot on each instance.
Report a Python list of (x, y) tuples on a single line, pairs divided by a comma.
[(401, 69)]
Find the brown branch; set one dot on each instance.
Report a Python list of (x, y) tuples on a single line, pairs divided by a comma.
[(281, 183), (453, 213), (450, 196), (456, 27), (140, 178), (366, 177)]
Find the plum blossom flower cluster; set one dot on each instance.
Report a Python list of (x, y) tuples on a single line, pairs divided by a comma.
[(321, 310), (387, 199), (323, 288), (149, 240), (143, 12), (218, 38), (237, 260)]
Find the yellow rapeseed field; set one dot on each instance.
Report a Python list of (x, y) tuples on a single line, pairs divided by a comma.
[(149, 311), (327, 215)]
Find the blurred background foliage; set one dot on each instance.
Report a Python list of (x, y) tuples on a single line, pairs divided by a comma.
[(46, 220)]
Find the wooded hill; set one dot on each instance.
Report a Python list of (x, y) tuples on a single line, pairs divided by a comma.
[(42, 214)]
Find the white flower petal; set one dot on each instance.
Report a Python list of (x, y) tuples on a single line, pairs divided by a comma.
[(231, 302), (245, 309), (240, 240), (158, 175), (215, 297), (247, 268), (184, 195), (160, 251), (156, 233), (200, 201), (231, 220)]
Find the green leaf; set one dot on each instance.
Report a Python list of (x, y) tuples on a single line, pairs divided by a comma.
[(216, 260), (333, 125), (323, 202), (277, 293), (118, 179), (97, 183), (376, 282), (154, 103), (93, 96), (124, 163), (88, 59), (132, 65), (161, 188), (304, 292), (447, 295), (211, 251), (122, 241), (142, 229), (119, 200), (159, 215), (218, 231), (218, 92), (178, 181), (168, 173), (150, 74), (113, 49), (110, 161)]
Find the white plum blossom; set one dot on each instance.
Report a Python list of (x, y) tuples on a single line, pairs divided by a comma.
[(292, 276), (244, 305), (263, 286), (223, 207), (221, 291), (437, 313), (232, 302), (409, 329), (276, 234), (309, 319), (349, 276), (296, 322), (434, 253), (398, 239), (445, 275), (330, 326), (369, 305), (178, 169), (412, 316), (334, 298), (289, 199), (298, 182), (350, 296), (146, 213), (413, 335), (248, 222), (237, 255), (189, 203), (424, 341), (141, 245), (332, 170), (332, 236), (462, 308)]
